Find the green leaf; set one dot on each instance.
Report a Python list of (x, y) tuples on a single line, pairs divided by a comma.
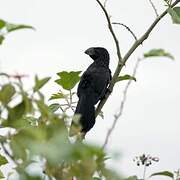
[(1, 175), (75, 125), (68, 79), (13, 27), (43, 109), (3, 139), (17, 112), (28, 104), (3, 160), (132, 178), (158, 53), (2, 23), (1, 39), (163, 173), (6, 93), (18, 148), (125, 77), (39, 83), (58, 96), (175, 14), (54, 107)]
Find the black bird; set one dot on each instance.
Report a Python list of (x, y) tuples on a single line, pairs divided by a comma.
[(92, 86)]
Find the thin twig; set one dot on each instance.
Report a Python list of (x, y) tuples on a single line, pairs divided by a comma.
[(62, 109), (111, 31), (154, 7), (105, 2), (129, 53), (118, 115), (128, 28), (68, 103)]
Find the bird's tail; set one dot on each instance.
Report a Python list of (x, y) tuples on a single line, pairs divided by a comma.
[(85, 108)]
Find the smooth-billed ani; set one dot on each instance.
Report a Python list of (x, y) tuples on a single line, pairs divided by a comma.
[(92, 86)]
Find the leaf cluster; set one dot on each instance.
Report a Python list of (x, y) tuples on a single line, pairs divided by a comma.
[(37, 134)]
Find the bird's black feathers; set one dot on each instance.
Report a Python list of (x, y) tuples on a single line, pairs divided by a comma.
[(93, 86)]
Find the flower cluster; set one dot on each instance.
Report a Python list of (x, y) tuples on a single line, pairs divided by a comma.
[(145, 160)]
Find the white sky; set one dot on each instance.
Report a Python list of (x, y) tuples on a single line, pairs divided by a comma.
[(65, 28)]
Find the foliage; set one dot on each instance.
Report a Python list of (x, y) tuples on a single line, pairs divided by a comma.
[(6, 28), (125, 77), (175, 14), (158, 53), (38, 135), (164, 173)]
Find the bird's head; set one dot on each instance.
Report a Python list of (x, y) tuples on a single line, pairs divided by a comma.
[(98, 53)]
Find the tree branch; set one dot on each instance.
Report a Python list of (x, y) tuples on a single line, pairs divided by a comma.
[(111, 30), (129, 53), (126, 28), (154, 8)]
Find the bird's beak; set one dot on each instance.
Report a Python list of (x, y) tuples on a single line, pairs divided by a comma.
[(90, 51)]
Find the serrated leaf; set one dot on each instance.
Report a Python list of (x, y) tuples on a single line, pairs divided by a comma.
[(58, 96), (1, 175), (68, 79), (6, 93), (1, 39), (13, 27), (2, 23), (3, 160), (125, 77), (158, 53), (39, 83), (164, 173), (175, 14), (54, 107)]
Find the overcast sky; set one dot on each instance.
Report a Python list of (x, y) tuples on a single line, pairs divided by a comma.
[(65, 29)]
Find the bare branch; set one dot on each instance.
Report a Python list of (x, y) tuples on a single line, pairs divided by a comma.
[(118, 115), (129, 53), (112, 31), (128, 28), (105, 2), (146, 34), (154, 7)]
